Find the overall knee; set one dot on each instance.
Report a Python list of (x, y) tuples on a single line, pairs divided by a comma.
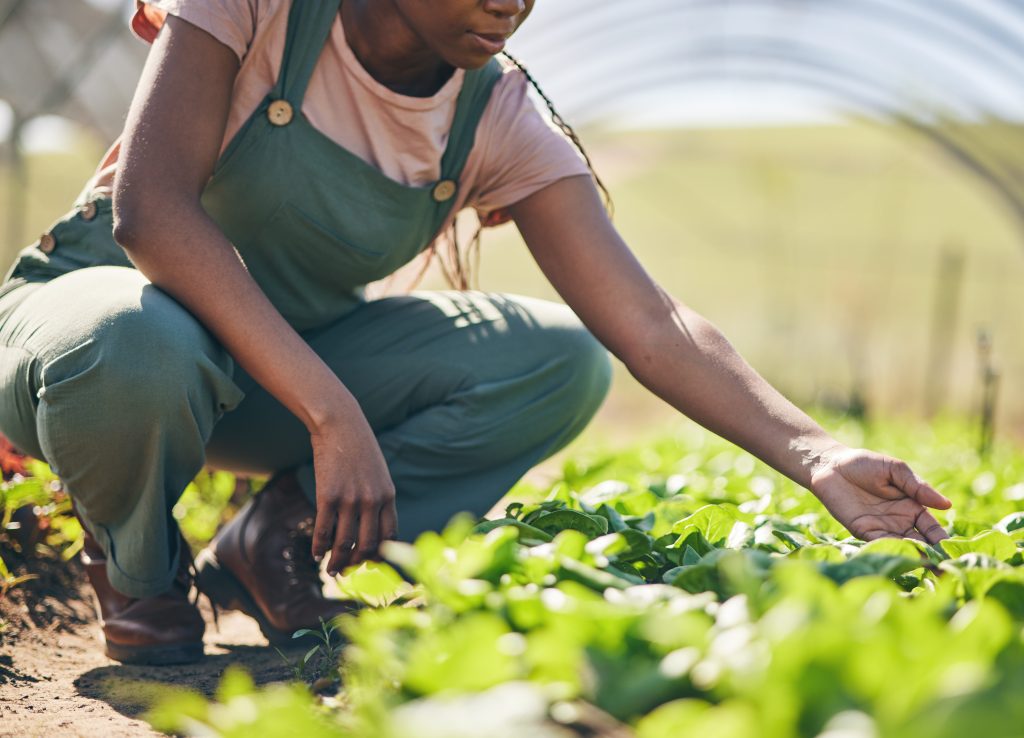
[(588, 370), (138, 382), (151, 358), (141, 358)]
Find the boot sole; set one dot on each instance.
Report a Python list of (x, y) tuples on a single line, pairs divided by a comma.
[(182, 653), (227, 593)]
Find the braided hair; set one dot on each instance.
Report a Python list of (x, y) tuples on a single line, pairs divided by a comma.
[(565, 128), (461, 266)]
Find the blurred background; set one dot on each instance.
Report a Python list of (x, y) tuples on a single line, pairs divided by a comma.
[(837, 184)]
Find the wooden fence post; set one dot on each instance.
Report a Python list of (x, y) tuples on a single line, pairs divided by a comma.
[(945, 316)]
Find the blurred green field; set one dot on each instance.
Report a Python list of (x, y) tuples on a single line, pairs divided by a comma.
[(816, 250)]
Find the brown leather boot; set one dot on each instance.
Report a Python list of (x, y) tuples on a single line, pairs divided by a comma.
[(165, 629), (261, 563)]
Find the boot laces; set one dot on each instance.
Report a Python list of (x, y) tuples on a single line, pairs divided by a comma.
[(189, 577), (298, 554)]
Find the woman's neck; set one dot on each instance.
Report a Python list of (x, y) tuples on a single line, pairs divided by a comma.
[(390, 51)]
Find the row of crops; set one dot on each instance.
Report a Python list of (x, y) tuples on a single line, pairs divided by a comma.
[(679, 589)]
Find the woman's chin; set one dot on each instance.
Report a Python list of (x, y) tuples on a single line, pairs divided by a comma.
[(471, 61)]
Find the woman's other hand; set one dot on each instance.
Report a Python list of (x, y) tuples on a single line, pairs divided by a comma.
[(355, 497), (877, 496)]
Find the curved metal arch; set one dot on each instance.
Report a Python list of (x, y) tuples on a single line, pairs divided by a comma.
[(922, 16), (963, 152), (600, 30), (855, 95), (853, 74), (593, 82)]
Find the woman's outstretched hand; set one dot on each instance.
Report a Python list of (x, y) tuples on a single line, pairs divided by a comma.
[(355, 497), (876, 496)]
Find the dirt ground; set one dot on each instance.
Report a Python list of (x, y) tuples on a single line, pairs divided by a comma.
[(55, 680)]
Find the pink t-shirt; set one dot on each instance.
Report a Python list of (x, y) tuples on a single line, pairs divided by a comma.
[(516, 152)]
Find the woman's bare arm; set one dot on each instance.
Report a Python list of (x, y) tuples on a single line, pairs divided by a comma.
[(172, 139), (686, 361)]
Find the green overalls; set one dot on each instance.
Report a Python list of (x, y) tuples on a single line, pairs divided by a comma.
[(127, 395)]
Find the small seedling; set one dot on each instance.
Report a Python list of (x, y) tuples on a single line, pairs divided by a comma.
[(328, 646)]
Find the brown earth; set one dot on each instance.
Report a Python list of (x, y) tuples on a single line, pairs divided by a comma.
[(55, 680)]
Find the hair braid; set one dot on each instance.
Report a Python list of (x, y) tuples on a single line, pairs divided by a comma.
[(565, 128), (459, 266)]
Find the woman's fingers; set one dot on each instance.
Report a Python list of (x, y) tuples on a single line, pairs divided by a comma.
[(369, 532), (323, 528), (904, 478), (344, 537), (389, 521), (930, 497), (930, 528)]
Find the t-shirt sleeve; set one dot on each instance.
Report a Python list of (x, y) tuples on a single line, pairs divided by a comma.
[(523, 152), (232, 22)]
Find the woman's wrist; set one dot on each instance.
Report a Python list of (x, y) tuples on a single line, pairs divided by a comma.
[(328, 406), (811, 453)]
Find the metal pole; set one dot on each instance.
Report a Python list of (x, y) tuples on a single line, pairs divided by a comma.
[(945, 314), (989, 394)]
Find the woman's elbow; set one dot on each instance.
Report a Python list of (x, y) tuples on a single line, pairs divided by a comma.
[(137, 222), (130, 224), (680, 331), (126, 231)]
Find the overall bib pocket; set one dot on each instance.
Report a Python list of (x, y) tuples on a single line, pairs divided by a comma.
[(304, 225), (310, 273)]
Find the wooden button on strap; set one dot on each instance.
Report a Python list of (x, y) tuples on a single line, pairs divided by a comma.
[(444, 190), (280, 112), (47, 243), (88, 211)]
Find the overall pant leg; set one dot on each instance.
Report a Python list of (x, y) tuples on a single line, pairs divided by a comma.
[(466, 391), (118, 388)]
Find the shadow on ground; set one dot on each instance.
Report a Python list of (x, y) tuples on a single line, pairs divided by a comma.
[(11, 673), (132, 690)]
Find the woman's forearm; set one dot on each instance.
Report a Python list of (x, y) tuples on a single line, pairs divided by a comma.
[(672, 350), (687, 362), (183, 252), (684, 360)]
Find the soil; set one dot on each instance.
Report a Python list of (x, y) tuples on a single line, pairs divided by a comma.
[(55, 680)]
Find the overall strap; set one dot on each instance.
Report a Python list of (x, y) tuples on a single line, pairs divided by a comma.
[(477, 86), (309, 25)]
